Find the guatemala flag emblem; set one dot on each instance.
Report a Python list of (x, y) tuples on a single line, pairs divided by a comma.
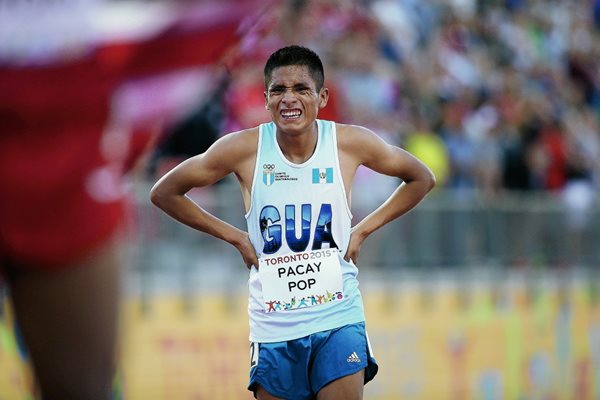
[(322, 175), (268, 174), (268, 178)]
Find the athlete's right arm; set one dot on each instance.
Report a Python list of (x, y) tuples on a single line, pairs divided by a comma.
[(233, 153)]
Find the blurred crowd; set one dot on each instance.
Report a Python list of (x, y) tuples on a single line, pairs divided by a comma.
[(491, 94)]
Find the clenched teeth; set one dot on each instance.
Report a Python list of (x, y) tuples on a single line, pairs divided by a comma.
[(290, 113)]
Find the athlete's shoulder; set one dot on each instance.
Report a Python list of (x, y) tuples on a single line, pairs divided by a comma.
[(243, 141), (352, 135), (233, 150), (243, 136)]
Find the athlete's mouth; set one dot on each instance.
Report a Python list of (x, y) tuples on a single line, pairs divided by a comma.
[(290, 114)]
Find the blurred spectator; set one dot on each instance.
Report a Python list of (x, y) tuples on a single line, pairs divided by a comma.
[(245, 100), (424, 144), (461, 148), (583, 153)]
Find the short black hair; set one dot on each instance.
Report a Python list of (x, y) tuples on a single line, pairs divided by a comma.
[(296, 55)]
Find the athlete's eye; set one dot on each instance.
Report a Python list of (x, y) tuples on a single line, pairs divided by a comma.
[(303, 90)]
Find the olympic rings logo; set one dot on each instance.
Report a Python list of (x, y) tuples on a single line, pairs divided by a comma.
[(269, 167)]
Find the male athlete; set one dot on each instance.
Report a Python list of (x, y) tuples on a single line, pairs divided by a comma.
[(307, 323)]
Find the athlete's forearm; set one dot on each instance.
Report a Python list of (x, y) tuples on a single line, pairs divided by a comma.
[(404, 199), (186, 211)]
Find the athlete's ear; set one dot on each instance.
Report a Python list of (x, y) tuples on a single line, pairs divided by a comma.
[(323, 97), (266, 99)]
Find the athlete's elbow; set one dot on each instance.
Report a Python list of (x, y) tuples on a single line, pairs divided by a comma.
[(157, 195), (430, 180), (425, 180)]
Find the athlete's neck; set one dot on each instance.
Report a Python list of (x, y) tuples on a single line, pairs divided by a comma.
[(298, 147)]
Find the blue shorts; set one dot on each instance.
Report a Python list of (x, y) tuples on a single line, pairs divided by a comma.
[(298, 369)]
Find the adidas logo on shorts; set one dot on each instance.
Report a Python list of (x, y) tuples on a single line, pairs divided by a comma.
[(353, 357)]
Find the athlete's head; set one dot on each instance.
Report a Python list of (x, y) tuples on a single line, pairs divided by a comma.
[(296, 55), (294, 89)]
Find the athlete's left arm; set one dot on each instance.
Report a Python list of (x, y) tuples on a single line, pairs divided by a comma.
[(360, 146)]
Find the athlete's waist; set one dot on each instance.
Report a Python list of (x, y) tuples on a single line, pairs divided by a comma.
[(283, 326)]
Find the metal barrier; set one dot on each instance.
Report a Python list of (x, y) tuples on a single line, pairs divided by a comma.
[(448, 230)]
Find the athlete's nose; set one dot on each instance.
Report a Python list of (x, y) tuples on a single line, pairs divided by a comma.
[(288, 97)]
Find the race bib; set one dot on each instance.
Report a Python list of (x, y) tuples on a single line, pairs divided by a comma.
[(300, 280)]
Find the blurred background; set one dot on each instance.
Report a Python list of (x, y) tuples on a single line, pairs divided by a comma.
[(489, 289)]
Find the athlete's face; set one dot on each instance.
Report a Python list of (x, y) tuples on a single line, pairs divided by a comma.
[(293, 100)]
